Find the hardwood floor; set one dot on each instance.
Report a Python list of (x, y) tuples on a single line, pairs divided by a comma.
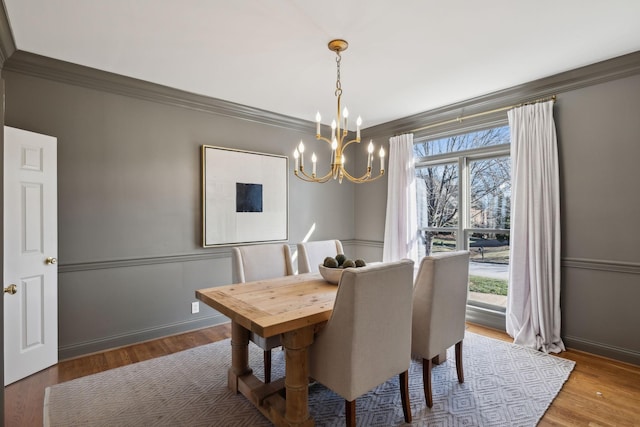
[(599, 392), (24, 399)]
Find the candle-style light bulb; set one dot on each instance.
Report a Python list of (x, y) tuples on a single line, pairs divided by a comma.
[(318, 119), (345, 114), (296, 155), (301, 150), (333, 127), (358, 124), (370, 150), (381, 159), (314, 159)]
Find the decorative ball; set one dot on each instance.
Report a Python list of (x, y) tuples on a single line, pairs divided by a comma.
[(330, 262), (348, 263)]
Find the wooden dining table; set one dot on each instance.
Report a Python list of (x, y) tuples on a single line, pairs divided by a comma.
[(294, 307)]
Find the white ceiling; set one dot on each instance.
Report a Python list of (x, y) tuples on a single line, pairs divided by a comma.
[(404, 57)]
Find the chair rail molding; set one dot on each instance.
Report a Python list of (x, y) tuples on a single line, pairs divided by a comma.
[(602, 265), (134, 262)]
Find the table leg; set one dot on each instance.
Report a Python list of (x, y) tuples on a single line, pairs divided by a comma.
[(239, 355), (296, 382)]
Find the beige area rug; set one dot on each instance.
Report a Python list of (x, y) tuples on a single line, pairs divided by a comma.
[(505, 385)]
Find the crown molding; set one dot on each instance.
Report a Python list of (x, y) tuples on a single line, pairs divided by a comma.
[(52, 69), (7, 43), (612, 69), (65, 72)]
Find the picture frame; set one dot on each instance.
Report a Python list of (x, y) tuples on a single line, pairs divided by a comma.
[(245, 197)]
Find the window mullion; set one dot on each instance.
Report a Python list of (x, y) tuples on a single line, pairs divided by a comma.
[(463, 202)]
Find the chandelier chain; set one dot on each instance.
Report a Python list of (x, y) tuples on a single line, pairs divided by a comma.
[(338, 84)]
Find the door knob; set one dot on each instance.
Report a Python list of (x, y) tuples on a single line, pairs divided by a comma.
[(11, 289), (51, 260)]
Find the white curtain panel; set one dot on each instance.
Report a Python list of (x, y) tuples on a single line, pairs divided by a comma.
[(533, 306), (401, 223)]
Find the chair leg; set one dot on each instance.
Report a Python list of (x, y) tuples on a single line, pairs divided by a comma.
[(404, 396), (350, 413), (427, 364), (459, 369), (267, 366)]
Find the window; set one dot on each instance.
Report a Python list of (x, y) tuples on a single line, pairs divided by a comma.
[(464, 202)]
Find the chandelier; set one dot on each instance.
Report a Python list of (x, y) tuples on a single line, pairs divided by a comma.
[(338, 140)]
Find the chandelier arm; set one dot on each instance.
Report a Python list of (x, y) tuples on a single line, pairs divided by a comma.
[(353, 178), (309, 178), (344, 147), (303, 177), (364, 178), (325, 139), (324, 179)]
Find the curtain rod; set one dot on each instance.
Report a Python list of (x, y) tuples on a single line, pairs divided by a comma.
[(459, 119)]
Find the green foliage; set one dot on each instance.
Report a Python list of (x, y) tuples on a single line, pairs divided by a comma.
[(487, 285)]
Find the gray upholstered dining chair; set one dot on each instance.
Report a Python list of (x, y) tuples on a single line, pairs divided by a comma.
[(311, 254), (439, 307), (367, 339), (259, 262)]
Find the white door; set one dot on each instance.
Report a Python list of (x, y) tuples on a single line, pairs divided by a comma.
[(30, 252)]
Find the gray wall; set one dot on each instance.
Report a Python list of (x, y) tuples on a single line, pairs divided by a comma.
[(599, 144), (597, 117), (130, 255), (129, 196)]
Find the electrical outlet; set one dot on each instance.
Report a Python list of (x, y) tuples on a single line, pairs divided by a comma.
[(195, 307)]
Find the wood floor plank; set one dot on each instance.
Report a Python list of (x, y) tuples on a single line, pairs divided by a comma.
[(577, 404)]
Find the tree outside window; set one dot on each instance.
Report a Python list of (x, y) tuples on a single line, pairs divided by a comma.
[(464, 198)]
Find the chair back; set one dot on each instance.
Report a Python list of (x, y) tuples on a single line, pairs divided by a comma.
[(367, 339), (260, 262), (439, 303), (311, 254)]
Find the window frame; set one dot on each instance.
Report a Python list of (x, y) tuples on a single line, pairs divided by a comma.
[(463, 158)]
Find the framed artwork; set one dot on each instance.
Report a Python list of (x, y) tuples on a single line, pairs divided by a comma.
[(245, 197)]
